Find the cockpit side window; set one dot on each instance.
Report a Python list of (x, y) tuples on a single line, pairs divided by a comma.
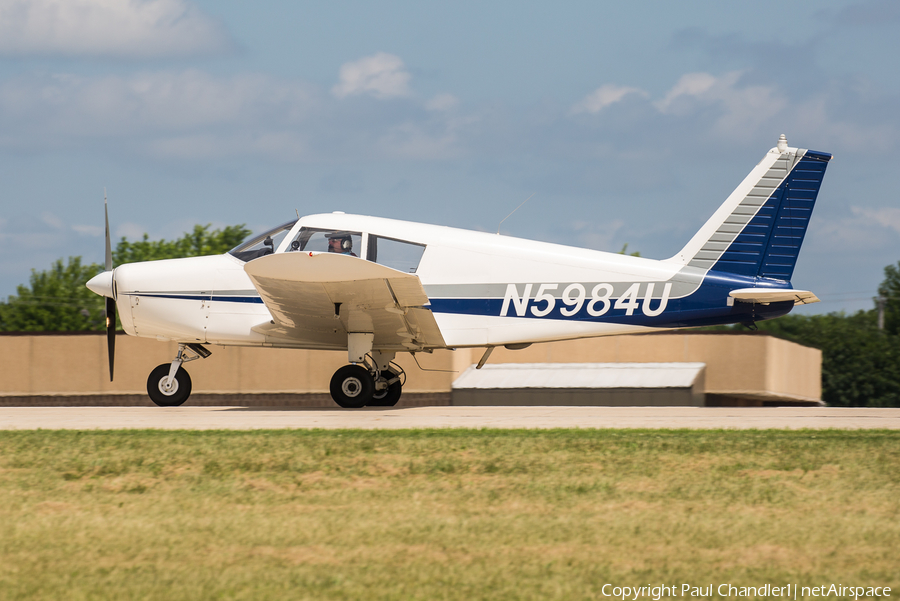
[(397, 254), (263, 244), (322, 240)]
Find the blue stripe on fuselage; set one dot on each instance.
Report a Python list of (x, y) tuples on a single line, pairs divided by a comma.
[(200, 297), (708, 305)]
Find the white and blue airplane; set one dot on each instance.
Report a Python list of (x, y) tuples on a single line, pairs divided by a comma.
[(375, 287)]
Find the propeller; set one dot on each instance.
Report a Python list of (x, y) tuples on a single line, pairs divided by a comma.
[(110, 300)]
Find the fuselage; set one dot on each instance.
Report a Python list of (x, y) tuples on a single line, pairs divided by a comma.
[(484, 289)]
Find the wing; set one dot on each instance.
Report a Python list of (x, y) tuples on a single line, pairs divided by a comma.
[(317, 298), (773, 295)]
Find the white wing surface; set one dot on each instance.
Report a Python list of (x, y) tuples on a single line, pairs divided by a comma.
[(318, 298)]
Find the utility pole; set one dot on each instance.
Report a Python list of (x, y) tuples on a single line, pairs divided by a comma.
[(880, 302)]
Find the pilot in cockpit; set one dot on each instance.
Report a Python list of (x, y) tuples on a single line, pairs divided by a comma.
[(342, 243)]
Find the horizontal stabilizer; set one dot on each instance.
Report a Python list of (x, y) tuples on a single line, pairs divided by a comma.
[(765, 296)]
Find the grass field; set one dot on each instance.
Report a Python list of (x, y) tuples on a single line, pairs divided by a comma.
[(441, 514)]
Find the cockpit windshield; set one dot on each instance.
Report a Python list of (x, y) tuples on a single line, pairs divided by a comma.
[(263, 244)]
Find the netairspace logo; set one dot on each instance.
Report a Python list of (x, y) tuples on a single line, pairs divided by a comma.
[(787, 591)]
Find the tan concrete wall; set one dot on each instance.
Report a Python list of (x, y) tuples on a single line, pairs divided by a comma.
[(72, 365), (738, 364), (75, 365)]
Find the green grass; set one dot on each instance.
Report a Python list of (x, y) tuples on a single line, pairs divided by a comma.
[(441, 514)]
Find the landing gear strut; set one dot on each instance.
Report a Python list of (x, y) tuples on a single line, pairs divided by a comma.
[(169, 385), (388, 396), (374, 381)]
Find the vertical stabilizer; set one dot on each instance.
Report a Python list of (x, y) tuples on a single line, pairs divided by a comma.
[(759, 228)]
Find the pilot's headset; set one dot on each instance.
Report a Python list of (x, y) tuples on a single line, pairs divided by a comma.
[(346, 242)]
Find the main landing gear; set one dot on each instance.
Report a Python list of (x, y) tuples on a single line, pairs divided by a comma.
[(373, 381), (169, 385)]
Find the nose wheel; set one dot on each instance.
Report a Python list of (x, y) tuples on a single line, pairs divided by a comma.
[(168, 392)]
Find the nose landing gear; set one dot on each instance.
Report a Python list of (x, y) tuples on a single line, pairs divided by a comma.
[(169, 385)]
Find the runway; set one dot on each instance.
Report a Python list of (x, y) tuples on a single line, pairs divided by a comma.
[(247, 418)]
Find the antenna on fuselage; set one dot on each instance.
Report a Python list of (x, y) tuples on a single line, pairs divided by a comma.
[(513, 211)]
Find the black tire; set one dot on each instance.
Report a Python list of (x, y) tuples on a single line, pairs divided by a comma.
[(390, 395), (180, 391), (352, 387)]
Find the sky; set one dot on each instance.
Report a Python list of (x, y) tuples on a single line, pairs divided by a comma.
[(625, 123)]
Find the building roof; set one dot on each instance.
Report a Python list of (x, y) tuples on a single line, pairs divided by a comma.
[(580, 375)]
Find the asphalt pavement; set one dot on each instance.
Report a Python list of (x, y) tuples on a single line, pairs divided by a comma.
[(253, 418)]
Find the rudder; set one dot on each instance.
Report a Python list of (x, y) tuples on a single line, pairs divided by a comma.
[(758, 230)]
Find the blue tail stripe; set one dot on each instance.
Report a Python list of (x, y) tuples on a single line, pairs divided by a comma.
[(769, 244)]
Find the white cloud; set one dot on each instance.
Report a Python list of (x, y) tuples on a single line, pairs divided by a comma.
[(194, 115), (130, 230), (692, 85), (285, 146), (115, 28), (442, 102), (94, 231), (603, 97), (598, 235), (887, 217), (739, 108), (742, 109), (53, 220), (819, 117), (63, 106), (833, 116), (412, 140), (863, 228), (382, 75)]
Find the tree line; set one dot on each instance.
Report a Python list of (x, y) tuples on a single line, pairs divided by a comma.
[(860, 360), (860, 357), (56, 299)]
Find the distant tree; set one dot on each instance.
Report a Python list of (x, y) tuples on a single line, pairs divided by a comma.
[(624, 251), (890, 291), (57, 299), (860, 364), (199, 242)]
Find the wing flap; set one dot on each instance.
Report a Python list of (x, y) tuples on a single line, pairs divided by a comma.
[(773, 295), (317, 298)]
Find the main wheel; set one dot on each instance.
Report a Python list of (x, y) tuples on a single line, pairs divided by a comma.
[(352, 387), (390, 395), (176, 395)]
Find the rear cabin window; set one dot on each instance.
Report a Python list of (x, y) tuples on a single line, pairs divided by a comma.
[(397, 254)]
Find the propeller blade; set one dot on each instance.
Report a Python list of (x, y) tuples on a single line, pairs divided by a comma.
[(111, 334), (110, 302), (108, 245)]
